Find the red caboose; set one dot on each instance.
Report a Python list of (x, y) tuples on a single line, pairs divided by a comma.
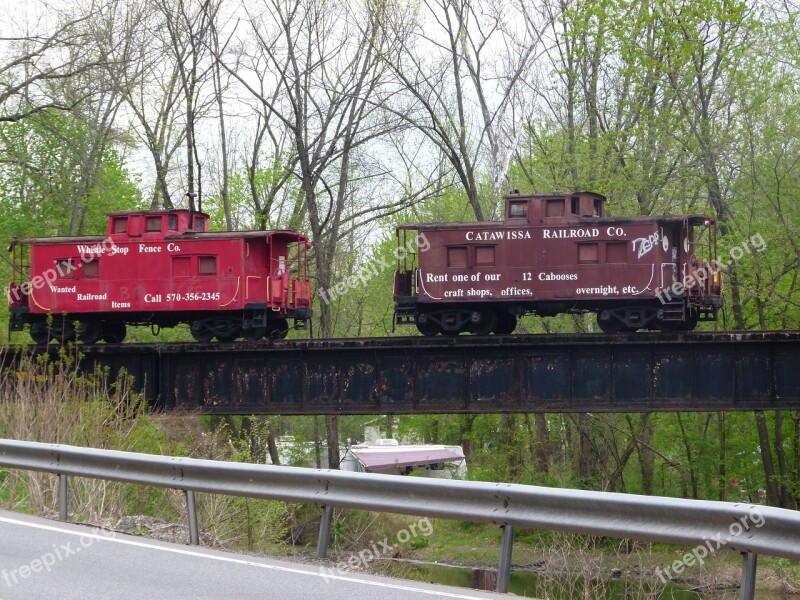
[(558, 253), (160, 269)]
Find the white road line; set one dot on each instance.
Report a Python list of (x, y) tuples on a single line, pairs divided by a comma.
[(239, 561)]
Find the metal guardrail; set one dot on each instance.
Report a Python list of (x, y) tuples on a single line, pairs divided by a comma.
[(745, 528)]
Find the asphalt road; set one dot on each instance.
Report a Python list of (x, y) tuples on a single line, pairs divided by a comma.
[(41, 559)]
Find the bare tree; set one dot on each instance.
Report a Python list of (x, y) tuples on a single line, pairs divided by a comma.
[(217, 48), (465, 73), (98, 113), (58, 81), (270, 159), (41, 60), (139, 67), (324, 61), (188, 26)]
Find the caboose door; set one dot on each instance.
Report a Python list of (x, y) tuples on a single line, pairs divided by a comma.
[(670, 235)]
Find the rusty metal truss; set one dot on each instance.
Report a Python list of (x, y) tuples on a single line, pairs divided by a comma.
[(468, 374)]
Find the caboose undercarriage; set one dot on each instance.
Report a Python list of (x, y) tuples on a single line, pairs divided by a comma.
[(252, 324), (501, 318)]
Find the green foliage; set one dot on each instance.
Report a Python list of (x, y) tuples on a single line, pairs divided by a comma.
[(44, 179), (52, 184), (271, 201)]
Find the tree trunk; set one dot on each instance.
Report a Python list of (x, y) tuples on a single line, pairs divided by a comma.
[(783, 471), (508, 445), (542, 453), (766, 458), (464, 431), (796, 452), (332, 429), (647, 457), (226, 205), (584, 452), (689, 459), (317, 443), (272, 446)]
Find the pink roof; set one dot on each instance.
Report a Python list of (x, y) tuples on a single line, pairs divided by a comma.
[(386, 459)]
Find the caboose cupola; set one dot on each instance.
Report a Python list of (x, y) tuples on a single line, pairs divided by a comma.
[(155, 224), (553, 209)]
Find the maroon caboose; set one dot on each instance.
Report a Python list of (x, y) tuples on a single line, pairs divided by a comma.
[(160, 269), (558, 253)]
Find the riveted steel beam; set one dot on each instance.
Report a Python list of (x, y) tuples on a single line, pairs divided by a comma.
[(468, 374)]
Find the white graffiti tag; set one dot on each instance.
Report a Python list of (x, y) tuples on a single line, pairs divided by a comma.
[(646, 244)]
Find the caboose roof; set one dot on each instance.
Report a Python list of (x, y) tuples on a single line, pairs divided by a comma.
[(155, 213), (516, 195), (61, 240), (576, 222), (234, 235), (207, 235)]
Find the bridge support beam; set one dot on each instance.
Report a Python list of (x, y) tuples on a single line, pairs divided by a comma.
[(468, 374)]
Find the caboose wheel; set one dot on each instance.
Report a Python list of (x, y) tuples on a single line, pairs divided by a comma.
[(254, 333), (669, 326), (63, 330), (428, 328), (227, 337), (610, 325), (114, 333), (89, 332), (692, 319), (506, 323), (488, 320), (40, 333), (200, 332), (278, 329)]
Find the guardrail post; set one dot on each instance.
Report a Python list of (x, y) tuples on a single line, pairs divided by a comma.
[(63, 499), (504, 570), (324, 532), (747, 589), (191, 508)]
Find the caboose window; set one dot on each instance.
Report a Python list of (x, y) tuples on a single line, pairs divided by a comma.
[(120, 224), (207, 265), (457, 257), (181, 266), (91, 268), (587, 253), (484, 256), (617, 252), (518, 209), (555, 208), (65, 268), (152, 224)]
